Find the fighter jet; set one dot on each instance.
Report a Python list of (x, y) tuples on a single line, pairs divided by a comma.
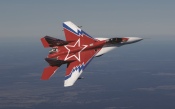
[(77, 51)]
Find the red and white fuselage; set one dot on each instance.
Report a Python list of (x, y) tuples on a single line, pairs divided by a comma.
[(77, 51)]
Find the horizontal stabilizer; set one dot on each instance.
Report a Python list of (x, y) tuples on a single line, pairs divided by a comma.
[(48, 72), (48, 41)]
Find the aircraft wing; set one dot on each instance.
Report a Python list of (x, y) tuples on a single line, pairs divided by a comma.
[(75, 69), (73, 33), (77, 38)]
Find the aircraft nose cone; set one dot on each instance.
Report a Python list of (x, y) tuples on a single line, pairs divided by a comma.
[(134, 39)]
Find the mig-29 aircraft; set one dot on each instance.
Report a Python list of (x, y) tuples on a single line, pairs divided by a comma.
[(77, 51)]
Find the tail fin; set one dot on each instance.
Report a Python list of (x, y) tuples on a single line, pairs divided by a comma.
[(48, 41), (48, 72)]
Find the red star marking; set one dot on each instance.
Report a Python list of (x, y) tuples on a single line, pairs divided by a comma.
[(76, 55)]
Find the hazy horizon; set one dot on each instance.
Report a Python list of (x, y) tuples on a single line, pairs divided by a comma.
[(108, 18)]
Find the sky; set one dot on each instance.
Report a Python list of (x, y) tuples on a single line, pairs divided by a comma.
[(105, 18), (135, 76)]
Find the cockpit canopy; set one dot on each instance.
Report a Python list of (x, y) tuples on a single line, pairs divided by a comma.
[(117, 40)]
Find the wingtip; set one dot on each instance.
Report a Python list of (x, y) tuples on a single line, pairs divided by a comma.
[(68, 85)]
